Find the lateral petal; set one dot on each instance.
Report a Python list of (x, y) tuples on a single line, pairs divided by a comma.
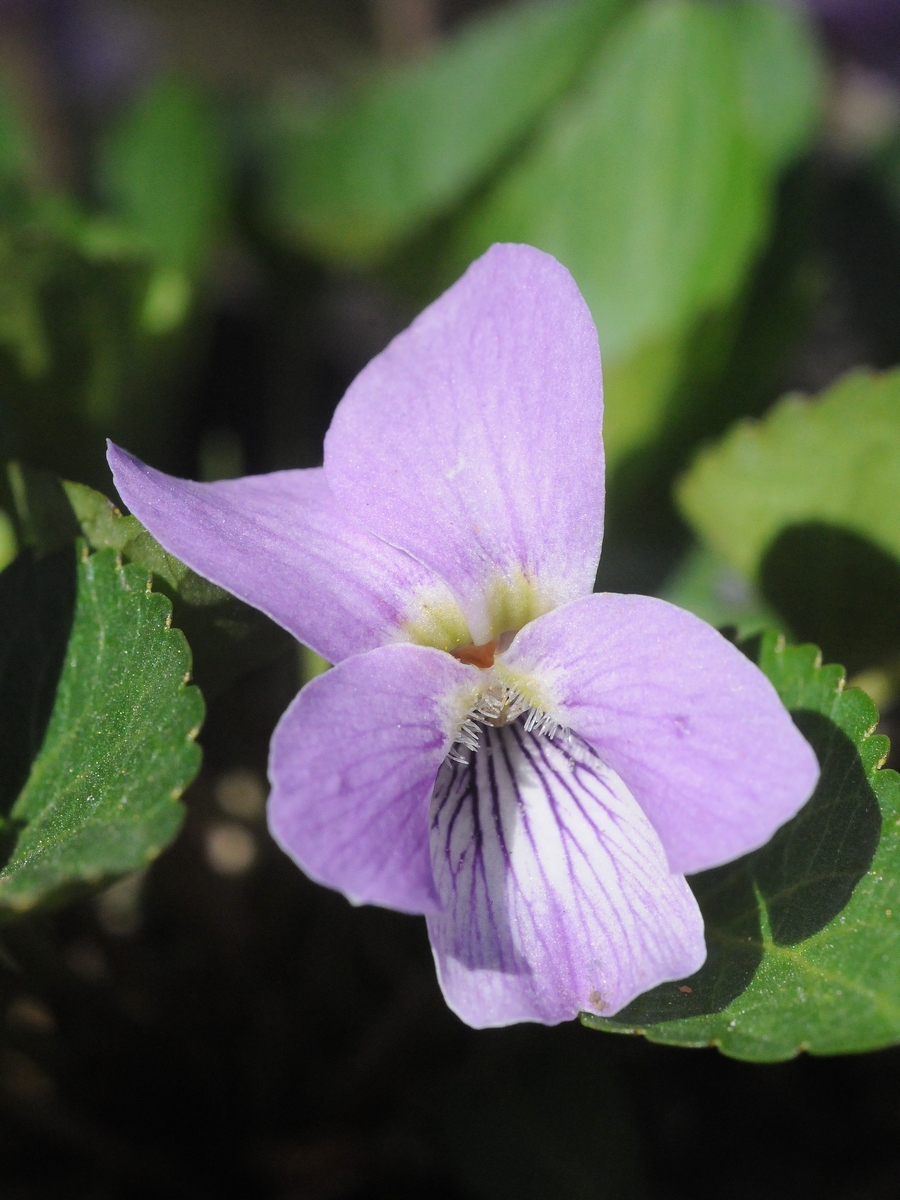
[(352, 766), (696, 731), (282, 543), (557, 896), (473, 441)]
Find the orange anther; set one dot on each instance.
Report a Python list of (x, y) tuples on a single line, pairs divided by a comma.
[(477, 656)]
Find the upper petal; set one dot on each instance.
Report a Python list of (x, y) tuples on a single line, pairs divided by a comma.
[(473, 441), (556, 893), (282, 543), (695, 730), (352, 766)]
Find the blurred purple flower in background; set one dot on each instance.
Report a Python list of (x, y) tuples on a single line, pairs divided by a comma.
[(108, 47), (101, 49), (533, 766), (868, 30)]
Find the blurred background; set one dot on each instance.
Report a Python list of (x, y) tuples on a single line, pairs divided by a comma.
[(212, 214)]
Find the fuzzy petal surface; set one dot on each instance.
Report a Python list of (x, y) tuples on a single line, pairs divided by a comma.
[(352, 766), (473, 441), (694, 729), (282, 543), (557, 896)]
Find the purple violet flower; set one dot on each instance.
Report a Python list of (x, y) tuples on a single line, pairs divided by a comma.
[(532, 766)]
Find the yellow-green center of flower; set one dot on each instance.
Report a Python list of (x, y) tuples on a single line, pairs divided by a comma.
[(510, 603), (502, 693)]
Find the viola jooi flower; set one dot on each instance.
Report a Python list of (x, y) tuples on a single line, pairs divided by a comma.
[(533, 766)]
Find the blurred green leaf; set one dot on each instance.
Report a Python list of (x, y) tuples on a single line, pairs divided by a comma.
[(803, 936), (781, 78), (25, 265), (17, 149), (163, 171), (101, 797), (45, 516), (631, 185), (79, 353), (654, 182), (50, 243), (352, 180), (9, 543), (833, 460), (806, 503)]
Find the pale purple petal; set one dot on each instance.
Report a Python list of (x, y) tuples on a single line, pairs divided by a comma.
[(473, 441), (557, 896), (352, 765), (282, 543), (694, 729)]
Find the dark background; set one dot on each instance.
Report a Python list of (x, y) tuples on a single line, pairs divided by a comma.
[(221, 1027)]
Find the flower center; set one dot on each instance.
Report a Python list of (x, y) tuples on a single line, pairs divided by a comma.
[(483, 656), (498, 703), (477, 656), (510, 602)]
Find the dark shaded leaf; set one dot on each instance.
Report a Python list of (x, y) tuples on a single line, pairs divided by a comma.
[(838, 590), (46, 520), (37, 603)]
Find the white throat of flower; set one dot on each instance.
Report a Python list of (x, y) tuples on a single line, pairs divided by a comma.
[(499, 703)]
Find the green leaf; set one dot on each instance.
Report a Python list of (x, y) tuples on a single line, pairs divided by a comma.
[(349, 182), (105, 528), (807, 504), (834, 460), (803, 935), (9, 543), (227, 637), (781, 78), (654, 184), (73, 355), (163, 170), (17, 146), (101, 797), (630, 185), (25, 265)]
